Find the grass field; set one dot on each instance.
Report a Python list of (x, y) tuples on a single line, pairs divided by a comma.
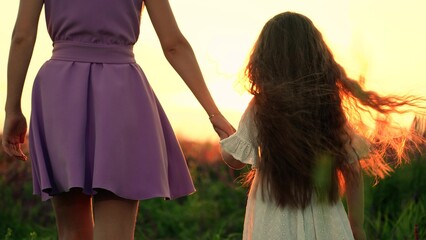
[(395, 207)]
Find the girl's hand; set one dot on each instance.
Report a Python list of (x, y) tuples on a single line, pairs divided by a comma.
[(14, 131), (222, 127), (359, 233)]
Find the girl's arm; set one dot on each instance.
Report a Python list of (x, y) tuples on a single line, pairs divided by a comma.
[(231, 161), (21, 49), (181, 56), (228, 158), (241, 148), (355, 201)]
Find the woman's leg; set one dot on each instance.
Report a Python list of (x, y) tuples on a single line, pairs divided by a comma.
[(115, 217), (73, 212)]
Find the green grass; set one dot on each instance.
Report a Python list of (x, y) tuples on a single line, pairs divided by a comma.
[(393, 208), (396, 205)]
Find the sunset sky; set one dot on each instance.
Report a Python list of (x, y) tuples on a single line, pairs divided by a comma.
[(383, 40)]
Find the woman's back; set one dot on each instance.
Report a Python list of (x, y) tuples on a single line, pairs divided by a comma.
[(93, 98), (97, 21)]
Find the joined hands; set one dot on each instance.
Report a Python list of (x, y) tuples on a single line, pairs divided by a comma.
[(222, 127)]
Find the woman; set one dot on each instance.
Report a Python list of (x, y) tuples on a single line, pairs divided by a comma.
[(97, 131)]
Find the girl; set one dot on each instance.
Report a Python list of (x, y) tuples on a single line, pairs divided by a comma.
[(297, 136), (96, 127)]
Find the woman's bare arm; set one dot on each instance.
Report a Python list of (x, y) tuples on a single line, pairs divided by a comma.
[(180, 55), (21, 49)]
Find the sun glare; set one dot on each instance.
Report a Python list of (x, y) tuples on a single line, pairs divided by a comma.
[(382, 42)]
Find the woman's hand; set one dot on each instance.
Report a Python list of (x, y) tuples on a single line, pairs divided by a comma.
[(23, 39), (222, 127), (14, 131)]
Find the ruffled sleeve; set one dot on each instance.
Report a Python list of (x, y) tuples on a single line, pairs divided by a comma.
[(242, 145)]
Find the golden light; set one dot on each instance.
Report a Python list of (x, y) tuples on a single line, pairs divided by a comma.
[(384, 41)]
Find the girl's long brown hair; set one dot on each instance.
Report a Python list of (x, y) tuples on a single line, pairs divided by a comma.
[(303, 100)]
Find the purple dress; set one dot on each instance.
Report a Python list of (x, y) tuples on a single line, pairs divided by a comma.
[(95, 121)]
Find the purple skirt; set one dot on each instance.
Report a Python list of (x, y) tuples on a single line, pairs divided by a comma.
[(97, 124)]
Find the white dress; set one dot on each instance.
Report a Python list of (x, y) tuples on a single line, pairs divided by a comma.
[(264, 220)]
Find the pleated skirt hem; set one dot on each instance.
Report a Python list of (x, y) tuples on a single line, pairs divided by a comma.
[(100, 126)]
